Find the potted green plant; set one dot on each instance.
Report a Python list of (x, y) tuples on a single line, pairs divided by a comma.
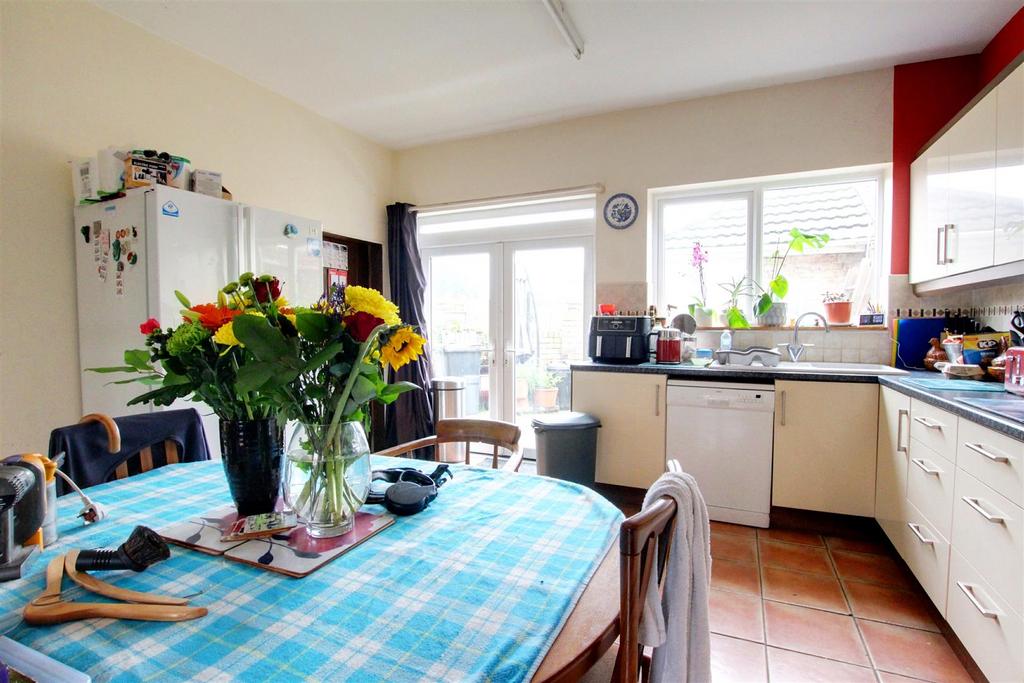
[(699, 309), (838, 307), (545, 389), (770, 308), (733, 316)]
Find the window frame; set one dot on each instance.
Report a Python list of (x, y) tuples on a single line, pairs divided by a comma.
[(755, 189)]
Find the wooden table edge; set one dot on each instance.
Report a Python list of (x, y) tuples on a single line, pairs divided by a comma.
[(592, 626)]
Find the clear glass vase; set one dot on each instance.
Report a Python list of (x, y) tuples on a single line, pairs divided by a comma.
[(328, 476)]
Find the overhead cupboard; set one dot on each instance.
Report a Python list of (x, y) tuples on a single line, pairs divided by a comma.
[(967, 194)]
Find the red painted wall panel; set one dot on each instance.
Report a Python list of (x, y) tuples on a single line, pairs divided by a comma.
[(926, 95)]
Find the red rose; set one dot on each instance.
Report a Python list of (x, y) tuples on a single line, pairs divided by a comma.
[(149, 327), (267, 291), (361, 324)]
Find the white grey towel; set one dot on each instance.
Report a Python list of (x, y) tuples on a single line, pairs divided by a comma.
[(677, 625)]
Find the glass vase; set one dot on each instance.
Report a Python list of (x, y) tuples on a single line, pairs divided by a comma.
[(252, 452), (328, 476)]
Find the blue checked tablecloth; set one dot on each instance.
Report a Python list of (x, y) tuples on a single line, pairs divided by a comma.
[(476, 588)]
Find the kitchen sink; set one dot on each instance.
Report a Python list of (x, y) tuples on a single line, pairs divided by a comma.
[(816, 367)]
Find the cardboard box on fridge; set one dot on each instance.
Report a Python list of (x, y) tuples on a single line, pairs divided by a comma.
[(142, 171), (207, 182)]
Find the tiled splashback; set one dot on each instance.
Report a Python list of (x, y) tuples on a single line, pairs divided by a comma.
[(993, 305), (837, 346)]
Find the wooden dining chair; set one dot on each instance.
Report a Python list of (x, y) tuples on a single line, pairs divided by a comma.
[(495, 433), (645, 545)]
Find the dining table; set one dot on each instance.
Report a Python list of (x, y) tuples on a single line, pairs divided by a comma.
[(504, 577)]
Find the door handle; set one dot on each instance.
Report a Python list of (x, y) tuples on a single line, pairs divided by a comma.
[(916, 528), (657, 400), (938, 245), (945, 240), (975, 504), (900, 448), (979, 448), (968, 589), (928, 422), (924, 465), (782, 408)]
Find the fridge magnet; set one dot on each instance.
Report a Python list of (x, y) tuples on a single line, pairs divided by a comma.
[(313, 246), (170, 209), (119, 282), (620, 211), (135, 231), (290, 230), (85, 234), (133, 258), (116, 250)]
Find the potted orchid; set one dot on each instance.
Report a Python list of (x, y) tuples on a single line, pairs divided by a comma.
[(699, 309)]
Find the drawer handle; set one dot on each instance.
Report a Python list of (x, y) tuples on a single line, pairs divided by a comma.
[(968, 589), (924, 465), (900, 448), (976, 504), (979, 448), (916, 528), (928, 422)]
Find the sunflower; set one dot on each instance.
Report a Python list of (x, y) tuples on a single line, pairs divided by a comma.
[(404, 346), (366, 300)]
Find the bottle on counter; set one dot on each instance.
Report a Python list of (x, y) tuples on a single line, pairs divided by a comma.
[(725, 343)]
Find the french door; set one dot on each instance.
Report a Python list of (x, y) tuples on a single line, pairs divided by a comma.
[(507, 318)]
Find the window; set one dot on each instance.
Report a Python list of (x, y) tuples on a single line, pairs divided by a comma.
[(744, 232)]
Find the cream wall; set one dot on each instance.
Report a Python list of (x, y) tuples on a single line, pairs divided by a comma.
[(822, 124), (75, 78)]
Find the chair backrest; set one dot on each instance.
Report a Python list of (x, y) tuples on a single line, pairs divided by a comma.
[(98, 453), (495, 433), (645, 544)]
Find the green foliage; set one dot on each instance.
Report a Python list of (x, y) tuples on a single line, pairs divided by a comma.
[(778, 285)]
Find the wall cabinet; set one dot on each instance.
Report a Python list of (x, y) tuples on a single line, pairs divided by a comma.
[(631, 440), (967, 189), (825, 442), (1009, 232)]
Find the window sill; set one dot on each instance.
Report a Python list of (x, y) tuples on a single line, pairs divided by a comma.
[(789, 328)]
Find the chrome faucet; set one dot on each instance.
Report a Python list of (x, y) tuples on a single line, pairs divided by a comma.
[(795, 348)]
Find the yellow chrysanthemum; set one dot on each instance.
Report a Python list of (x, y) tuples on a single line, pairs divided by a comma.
[(403, 347), (292, 318), (225, 335), (281, 302), (366, 300)]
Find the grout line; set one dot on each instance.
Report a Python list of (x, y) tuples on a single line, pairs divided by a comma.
[(856, 623), (764, 615)]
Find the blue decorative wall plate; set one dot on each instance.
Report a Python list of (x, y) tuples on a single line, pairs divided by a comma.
[(620, 211)]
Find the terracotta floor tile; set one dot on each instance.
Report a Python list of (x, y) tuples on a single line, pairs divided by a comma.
[(856, 545), (793, 667), (737, 614), (911, 652), (737, 661), (801, 558), (732, 547), (887, 677), (814, 632), (798, 588), (739, 577), (891, 605), (871, 569), (735, 529), (790, 536)]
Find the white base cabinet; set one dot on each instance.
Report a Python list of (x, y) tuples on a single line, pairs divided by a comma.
[(949, 498), (631, 440)]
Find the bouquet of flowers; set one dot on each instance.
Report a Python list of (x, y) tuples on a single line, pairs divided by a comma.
[(252, 355)]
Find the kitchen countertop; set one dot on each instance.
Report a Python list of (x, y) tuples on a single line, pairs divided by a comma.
[(947, 400)]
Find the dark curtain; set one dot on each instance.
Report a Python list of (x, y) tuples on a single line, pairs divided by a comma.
[(412, 415)]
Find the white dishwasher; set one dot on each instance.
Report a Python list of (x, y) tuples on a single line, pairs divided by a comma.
[(721, 434)]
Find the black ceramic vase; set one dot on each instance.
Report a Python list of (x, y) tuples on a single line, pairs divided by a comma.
[(253, 455)]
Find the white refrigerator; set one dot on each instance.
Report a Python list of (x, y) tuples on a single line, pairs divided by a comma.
[(132, 253)]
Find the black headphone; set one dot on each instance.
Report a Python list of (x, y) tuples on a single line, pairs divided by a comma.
[(408, 490)]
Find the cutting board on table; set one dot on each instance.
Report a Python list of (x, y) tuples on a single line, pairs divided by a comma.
[(911, 341)]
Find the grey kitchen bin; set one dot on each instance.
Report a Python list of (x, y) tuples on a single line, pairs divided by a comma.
[(567, 446), (448, 403)]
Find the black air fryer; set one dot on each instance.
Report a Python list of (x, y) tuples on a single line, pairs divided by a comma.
[(619, 339)]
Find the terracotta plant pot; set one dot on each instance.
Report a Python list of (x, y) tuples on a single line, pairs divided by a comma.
[(545, 398), (838, 312)]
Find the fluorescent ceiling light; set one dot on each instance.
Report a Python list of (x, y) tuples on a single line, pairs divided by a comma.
[(565, 26)]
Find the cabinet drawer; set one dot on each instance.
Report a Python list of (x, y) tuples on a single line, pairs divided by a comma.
[(995, 459), (987, 531), (926, 552), (987, 627), (934, 427), (930, 481)]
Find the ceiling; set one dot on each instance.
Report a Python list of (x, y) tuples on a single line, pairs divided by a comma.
[(405, 73)]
